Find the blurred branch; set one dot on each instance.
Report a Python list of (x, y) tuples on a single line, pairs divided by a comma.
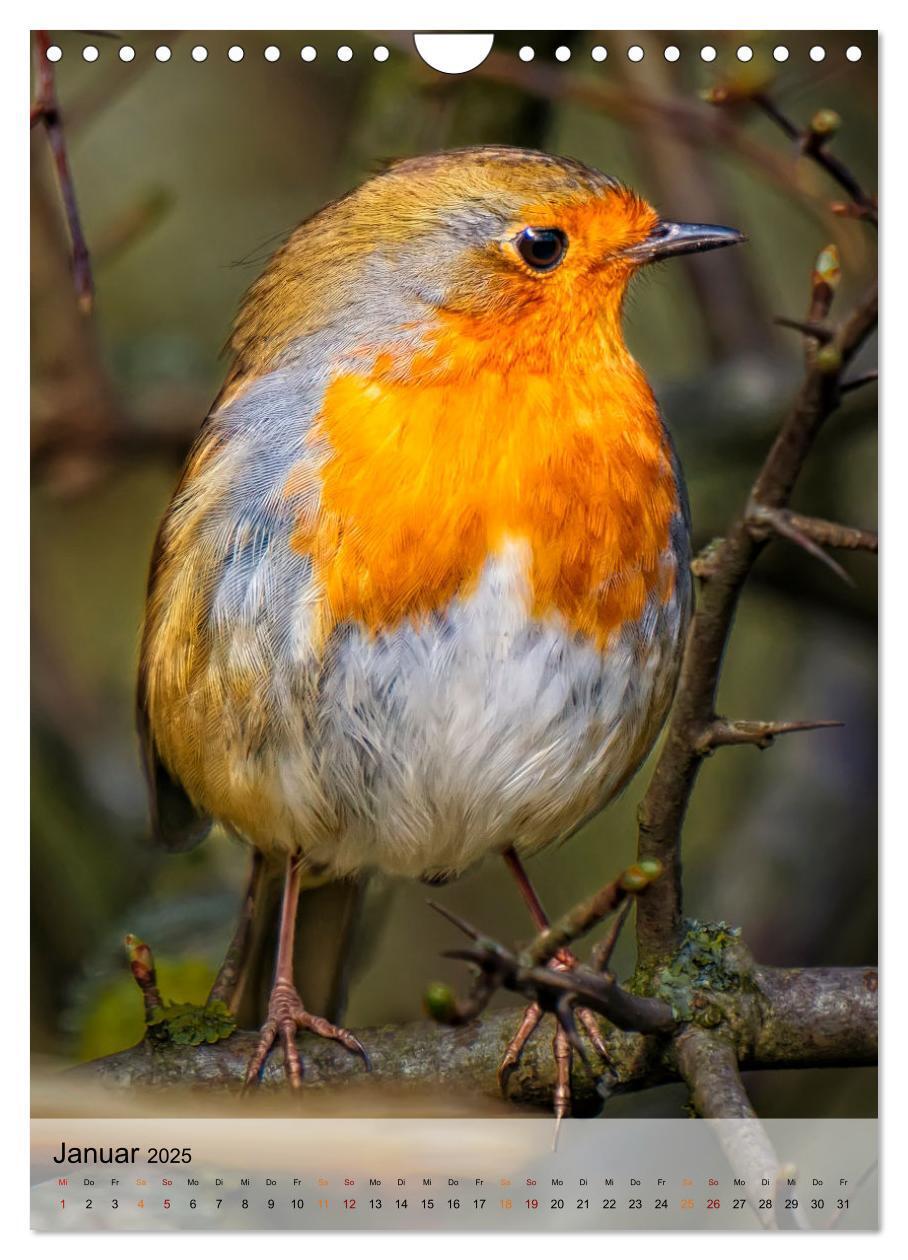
[(688, 122), (686, 178), (46, 111)]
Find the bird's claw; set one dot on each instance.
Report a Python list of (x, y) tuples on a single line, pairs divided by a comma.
[(286, 1015), (565, 1041)]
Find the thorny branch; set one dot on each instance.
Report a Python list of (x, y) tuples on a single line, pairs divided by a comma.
[(816, 1017)]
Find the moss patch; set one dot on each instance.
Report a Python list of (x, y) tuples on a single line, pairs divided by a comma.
[(710, 967), (186, 1024)]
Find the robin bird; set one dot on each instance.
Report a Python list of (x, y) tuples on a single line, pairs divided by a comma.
[(421, 593)]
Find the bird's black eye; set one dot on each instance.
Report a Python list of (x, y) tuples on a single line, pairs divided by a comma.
[(541, 248)]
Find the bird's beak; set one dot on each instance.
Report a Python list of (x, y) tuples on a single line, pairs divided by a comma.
[(667, 240)]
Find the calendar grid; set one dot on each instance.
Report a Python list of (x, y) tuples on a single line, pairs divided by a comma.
[(461, 1174)]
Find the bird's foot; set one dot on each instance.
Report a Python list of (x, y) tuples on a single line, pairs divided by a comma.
[(286, 1014), (562, 1043)]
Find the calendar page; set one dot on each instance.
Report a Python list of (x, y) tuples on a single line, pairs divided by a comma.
[(454, 608)]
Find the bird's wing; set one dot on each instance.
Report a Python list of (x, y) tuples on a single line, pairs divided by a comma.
[(222, 603), (176, 824)]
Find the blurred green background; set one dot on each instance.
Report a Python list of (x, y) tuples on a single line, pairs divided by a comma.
[(188, 175)]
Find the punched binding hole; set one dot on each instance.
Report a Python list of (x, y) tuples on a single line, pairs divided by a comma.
[(599, 53), (453, 53)]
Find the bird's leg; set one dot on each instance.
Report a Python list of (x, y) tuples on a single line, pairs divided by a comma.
[(231, 978), (286, 1012), (564, 960)]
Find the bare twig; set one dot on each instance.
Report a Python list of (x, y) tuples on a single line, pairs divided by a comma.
[(812, 143), (46, 110), (585, 916), (721, 733)]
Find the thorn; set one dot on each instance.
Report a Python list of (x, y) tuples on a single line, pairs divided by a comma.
[(465, 955), (819, 332), (857, 382), (761, 517), (465, 927), (602, 953), (721, 733), (813, 549)]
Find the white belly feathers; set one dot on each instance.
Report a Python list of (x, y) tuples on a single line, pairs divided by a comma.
[(425, 748)]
